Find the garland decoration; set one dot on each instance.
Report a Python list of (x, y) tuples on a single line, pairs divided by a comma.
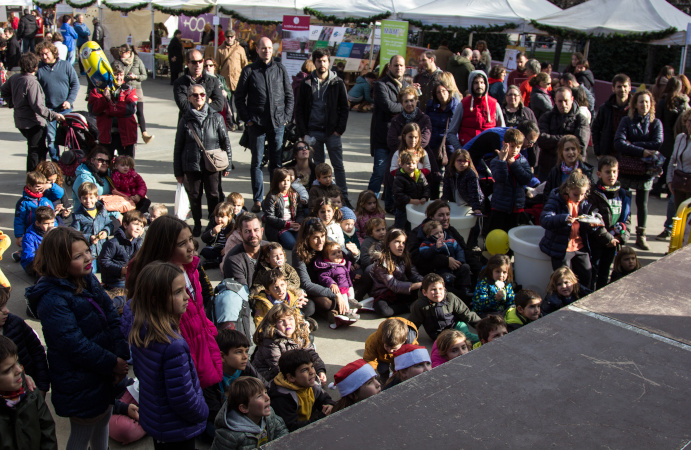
[(125, 9), (576, 35), (49, 4), (235, 15), (455, 29), (340, 21), (181, 12)]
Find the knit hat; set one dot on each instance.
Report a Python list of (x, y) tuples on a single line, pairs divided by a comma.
[(352, 376), (409, 355), (348, 213)]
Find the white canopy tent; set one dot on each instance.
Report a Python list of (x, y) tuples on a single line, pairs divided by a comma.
[(602, 17), (263, 9), (467, 13)]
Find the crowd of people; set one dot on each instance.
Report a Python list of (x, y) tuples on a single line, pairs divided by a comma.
[(434, 144)]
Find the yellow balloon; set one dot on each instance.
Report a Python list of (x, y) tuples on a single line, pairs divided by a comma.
[(497, 242)]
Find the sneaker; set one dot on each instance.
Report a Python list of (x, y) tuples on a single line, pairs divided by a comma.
[(197, 230), (314, 326), (341, 321), (665, 235), (367, 305), (354, 304), (256, 208), (232, 128), (17, 256)]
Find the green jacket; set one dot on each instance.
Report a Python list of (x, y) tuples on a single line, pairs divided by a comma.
[(514, 320), (27, 426), (453, 310), (236, 431)]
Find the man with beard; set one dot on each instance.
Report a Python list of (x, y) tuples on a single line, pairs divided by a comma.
[(242, 259), (476, 113), (521, 61), (610, 114), (322, 113), (428, 77)]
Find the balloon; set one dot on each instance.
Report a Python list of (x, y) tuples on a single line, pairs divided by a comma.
[(96, 65), (497, 242)]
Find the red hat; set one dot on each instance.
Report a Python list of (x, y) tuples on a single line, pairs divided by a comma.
[(352, 376), (409, 355)]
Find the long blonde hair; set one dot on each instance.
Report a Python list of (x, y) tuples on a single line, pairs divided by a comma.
[(267, 327)]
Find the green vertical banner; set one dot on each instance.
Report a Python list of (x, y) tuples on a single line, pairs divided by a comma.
[(394, 40)]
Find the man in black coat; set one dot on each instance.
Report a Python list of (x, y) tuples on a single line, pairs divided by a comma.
[(26, 31), (175, 56), (609, 115), (386, 106), (99, 33), (195, 74), (264, 100), (322, 113), (14, 50)]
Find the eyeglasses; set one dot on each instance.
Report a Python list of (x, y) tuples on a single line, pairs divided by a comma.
[(196, 62), (101, 160), (198, 94)]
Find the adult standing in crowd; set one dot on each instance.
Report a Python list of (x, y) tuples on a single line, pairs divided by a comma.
[(322, 114), (195, 75), (609, 115), (199, 122), (14, 49), (681, 159), (440, 109), (231, 59), (442, 55), (485, 56), (476, 60), (427, 77), (26, 31), (562, 120), (13, 21), (175, 56), (496, 82), (38, 38), (23, 93), (639, 135), (264, 98), (663, 76), (540, 100), (532, 68), (521, 61), (60, 45), (83, 34), (460, 67), (477, 112), (60, 85), (513, 110), (580, 68), (386, 106), (578, 90), (135, 73), (69, 36), (99, 32)]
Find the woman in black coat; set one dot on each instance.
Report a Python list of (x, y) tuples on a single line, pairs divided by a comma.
[(175, 56)]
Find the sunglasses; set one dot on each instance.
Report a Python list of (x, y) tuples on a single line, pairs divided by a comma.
[(198, 95), (302, 148), (101, 160), (196, 62), (209, 65)]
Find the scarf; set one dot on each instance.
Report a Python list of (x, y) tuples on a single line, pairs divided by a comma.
[(94, 173), (305, 396), (398, 82), (228, 380), (33, 194), (127, 61), (12, 398), (566, 170), (491, 80), (410, 117), (609, 189), (199, 115)]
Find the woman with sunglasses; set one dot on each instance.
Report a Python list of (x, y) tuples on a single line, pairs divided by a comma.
[(188, 162), (303, 164), (135, 73), (94, 169)]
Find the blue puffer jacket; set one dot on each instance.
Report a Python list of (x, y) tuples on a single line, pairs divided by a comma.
[(438, 119), (115, 255), (361, 89), (171, 403), (636, 135), (82, 333), (30, 243), (558, 230), (509, 184), (24, 211), (89, 227)]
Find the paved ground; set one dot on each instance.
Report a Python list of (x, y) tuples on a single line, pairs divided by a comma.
[(154, 163)]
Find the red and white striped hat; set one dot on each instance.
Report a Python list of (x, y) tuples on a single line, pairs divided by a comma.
[(352, 376)]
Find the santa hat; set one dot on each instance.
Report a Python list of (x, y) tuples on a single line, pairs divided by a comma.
[(409, 355), (352, 376)]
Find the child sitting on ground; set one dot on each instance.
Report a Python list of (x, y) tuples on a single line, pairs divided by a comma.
[(449, 345), (128, 183), (238, 204), (625, 262), (117, 252), (490, 328), (34, 195), (436, 242), (494, 291), (296, 394), (274, 256), (409, 361), (92, 219), (355, 382), (216, 234), (367, 208), (437, 309), (349, 231), (234, 348), (333, 271), (32, 355), (526, 310), (247, 420), (409, 187), (25, 420), (275, 291), (376, 233), (157, 210), (562, 290), (323, 186), (54, 190), (389, 337), (45, 221), (298, 187), (282, 329)]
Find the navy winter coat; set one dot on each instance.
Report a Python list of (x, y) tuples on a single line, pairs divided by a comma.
[(438, 119), (90, 227), (115, 255), (509, 184), (171, 403), (638, 134), (555, 178), (467, 185), (82, 333), (31, 353)]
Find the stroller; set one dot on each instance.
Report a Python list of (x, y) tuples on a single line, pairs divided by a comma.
[(79, 135)]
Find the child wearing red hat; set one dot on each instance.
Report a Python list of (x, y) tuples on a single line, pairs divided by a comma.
[(355, 381), (409, 360)]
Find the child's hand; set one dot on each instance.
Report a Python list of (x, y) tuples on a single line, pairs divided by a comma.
[(454, 264), (93, 239), (121, 367), (440, 242), (357, 276), (217, 229), (322, 378), (326, 409), (133, 412), (500, 295), (503, 154), (135, 198), (123, 271), (334, 288), (352, 247), (613, 243), (18, 241), (102, 235), (295, 226), (415, 286)]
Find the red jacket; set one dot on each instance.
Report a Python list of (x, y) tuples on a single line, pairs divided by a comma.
[(122, 108), (129, 184), (526, 90), (39, 24), (479, 114)]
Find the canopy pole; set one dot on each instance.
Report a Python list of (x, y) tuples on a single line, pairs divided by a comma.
[(684, 52), (153, 42), (470, 39), (216, 31), (586, 49)]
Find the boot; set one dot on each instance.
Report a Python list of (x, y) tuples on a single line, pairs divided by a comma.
[(147, 137), (640, 239)]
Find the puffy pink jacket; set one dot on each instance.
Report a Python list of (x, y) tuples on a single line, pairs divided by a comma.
[(437, 360), (130, 183), (200, 333)]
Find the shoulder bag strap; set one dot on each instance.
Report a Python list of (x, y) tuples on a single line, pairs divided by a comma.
[(446, 130), (196, 138), (681, 157)]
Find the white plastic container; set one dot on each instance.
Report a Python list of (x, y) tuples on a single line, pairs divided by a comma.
[(460, 219), (532, 268)]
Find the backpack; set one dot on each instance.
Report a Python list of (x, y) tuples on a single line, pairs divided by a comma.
[(230, 307)]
